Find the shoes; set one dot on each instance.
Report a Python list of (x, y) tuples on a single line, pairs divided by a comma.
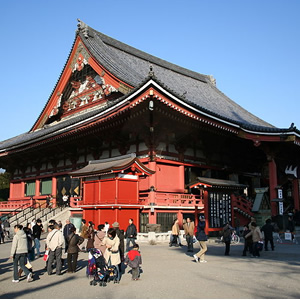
[(58, 274), (196, 257), (29, 277), (203, 261), (135, 279), (15, 280)]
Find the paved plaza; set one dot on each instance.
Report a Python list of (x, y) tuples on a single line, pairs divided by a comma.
[(170, 273)]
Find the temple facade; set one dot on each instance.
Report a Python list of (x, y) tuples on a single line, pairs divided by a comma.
[(125, 134)]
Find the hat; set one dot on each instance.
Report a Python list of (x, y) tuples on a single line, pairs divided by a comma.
[(115, 224)]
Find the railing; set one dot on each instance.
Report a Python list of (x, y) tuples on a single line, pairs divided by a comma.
[(171, 199), (243, 204), (15, 205)]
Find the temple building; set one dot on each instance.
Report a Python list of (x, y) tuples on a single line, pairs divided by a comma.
[(125, 134)]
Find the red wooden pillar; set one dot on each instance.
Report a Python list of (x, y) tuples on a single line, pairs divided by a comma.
[(181, 179), (37, 187), (296, 193), (11, 189), (53, 191), (273, 185), (206, 210)]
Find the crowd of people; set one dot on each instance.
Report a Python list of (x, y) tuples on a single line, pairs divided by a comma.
[(255, 238), (63, 244)]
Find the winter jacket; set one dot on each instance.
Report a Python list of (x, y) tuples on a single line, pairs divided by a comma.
[(112, 254), (268, 230), (99, 236), (255, 233), (131, 231), (200, 235), (175, 229), (133, 259), (84, 232), (37, 231), (120, 235), (189, 228), (19, 243), (73, 241), (55, 240)]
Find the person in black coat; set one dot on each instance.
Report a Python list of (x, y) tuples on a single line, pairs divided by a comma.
[(67, 232), (130, 234), (247, 241), (73, 241), (268, 230), (36, 235)]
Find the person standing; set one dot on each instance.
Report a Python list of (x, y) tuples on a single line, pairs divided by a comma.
[(175, 233), (1, 232), (84, 234), (226, 233), (247, 241), (36, 234), (120, 235), (134, 260), (91, 236), (74, 240), (202, 238), (6, 226), (99, 236), (256, 237), (112, 253), (19, 251), (189, 228), (268, 230), (67, 232), (54, 241), (130, 234)]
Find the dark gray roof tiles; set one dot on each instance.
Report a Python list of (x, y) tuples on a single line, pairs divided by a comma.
[(132, 66)]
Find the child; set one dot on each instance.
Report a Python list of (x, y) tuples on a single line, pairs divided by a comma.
[(134, 260)]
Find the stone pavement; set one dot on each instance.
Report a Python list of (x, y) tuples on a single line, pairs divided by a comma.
[(170, 273)]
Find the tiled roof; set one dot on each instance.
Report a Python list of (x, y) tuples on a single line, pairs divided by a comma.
[(132, 66)]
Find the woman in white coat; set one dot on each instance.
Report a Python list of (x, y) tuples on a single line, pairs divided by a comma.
[(112, 242)]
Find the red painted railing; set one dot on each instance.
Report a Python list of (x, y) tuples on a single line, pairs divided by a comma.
[(243, 204), (171, 199)]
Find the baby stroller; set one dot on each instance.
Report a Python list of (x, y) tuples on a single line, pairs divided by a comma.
[(99, 270)]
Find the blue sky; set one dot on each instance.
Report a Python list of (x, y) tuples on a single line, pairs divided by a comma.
[(251, 48)]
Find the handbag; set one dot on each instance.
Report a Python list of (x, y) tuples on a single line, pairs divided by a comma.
[(260, 245), (46, 255)]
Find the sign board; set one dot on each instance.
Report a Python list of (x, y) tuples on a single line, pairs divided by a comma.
[(219, 209), (280, 206), (280, 196)]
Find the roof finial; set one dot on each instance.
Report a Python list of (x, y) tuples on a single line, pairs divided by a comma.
[(151, 72), (82, 27)]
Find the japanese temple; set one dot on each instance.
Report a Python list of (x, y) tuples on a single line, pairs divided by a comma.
[(125, 134)]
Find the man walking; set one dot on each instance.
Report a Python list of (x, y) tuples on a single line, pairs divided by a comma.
[(268, 230), (54, 241), (84, 234), (189, 227), (36, 234), (130, 234)]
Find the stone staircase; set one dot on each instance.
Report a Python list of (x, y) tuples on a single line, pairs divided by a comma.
[(44, 213)]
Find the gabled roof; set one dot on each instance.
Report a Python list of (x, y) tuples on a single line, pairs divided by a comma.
[(112, 165), (216, 183), (131, 66)]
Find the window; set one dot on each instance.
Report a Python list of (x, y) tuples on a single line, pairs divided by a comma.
[(46, 186), (30, 188), (165, 220)]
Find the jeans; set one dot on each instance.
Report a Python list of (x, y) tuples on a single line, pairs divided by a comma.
[(72, 261), (20, 258), (57, 255), (37, 246), (128, 240), (189, 240)]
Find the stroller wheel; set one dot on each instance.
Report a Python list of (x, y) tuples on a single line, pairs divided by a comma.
[(95, 282), (100, 283), (91, 282), (104, 284)]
